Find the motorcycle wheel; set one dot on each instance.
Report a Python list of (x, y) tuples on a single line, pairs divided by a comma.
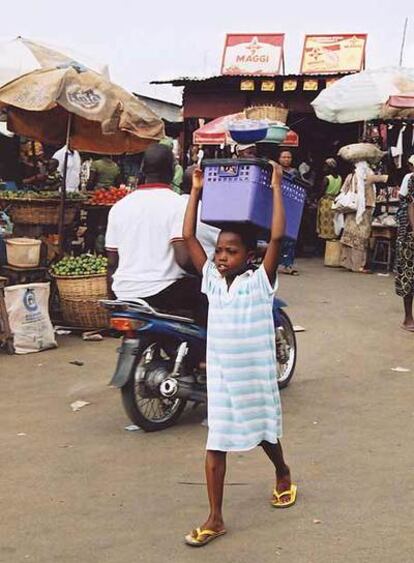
[(149, 413), (285, 371)]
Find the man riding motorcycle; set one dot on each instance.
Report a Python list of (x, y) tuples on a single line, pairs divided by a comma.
[(146, 252), (161, 361)]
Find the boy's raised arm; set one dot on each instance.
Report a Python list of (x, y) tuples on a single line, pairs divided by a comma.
[(196, 251), (271, 259)]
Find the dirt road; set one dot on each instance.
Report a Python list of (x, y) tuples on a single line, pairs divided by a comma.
[(77, 487)]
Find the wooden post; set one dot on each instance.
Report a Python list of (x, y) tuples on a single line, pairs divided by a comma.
[(61, 227)]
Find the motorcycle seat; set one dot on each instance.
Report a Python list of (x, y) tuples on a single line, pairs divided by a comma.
[(141, 306)]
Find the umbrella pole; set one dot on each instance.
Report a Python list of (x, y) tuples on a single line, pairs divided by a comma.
[(61, 228)]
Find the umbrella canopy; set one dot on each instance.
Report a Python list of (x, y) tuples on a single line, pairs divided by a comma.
[(105, 118), (362, 96), (20, 56), (216, 132)]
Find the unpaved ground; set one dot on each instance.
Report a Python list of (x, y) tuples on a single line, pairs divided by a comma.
[(76, 487)]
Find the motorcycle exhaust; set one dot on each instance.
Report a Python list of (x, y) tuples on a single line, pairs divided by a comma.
[(172, 387)]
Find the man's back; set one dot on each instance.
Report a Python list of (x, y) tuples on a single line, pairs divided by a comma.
[(106, 172), (141, 228)]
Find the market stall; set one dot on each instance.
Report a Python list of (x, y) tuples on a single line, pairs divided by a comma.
[(72, 106), (384, 99)]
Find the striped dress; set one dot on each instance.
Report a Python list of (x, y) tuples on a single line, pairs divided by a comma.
[(243, 396)]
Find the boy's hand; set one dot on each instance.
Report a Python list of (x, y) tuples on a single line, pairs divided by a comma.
[(197, 180), (277, 174)]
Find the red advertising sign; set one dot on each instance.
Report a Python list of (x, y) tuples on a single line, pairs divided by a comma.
[(253, 55), (333, 53)]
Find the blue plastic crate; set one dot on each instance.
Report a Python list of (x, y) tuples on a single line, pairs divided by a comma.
[(294, 197), (239, 191)]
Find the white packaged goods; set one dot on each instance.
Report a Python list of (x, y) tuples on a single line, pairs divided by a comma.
[(28, 311)]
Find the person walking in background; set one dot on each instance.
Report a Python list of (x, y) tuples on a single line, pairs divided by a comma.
[(331, 185), (288, 247), (244, 409), (357, 229), (404, 279)]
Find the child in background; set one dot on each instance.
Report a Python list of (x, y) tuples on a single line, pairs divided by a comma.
[(244, 409)]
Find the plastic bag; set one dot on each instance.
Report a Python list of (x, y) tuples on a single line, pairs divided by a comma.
[(346, 203), (28, 311)]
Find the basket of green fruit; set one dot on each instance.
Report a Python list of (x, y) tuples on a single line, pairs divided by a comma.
[(81, 277), (40, 208)]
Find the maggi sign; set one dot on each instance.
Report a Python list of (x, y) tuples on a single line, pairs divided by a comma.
[(253, 55)]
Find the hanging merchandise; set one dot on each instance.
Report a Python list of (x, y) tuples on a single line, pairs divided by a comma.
[(397, 150)]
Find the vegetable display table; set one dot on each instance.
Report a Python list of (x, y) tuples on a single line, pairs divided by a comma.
[(28, 207)]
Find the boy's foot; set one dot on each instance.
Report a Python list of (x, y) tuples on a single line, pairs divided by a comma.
[(206, 533), (284, 494), (211, 524), (202, 536), (408, 326)]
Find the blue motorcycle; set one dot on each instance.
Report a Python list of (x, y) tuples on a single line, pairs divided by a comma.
[(160, 361)]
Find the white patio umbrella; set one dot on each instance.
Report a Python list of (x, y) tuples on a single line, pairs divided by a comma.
[(362, 96), (19, 56)]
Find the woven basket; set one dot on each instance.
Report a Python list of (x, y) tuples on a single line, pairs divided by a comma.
[(272, 113), (82, 287), (39, 211), (84, 313)]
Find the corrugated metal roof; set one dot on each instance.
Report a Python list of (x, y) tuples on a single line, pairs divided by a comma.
[(166, 110), (182, 81)]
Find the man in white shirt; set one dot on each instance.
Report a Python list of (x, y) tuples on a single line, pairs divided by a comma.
[(145, 249), (73, 168)]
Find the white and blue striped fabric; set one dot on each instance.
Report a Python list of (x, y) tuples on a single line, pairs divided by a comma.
[(243, 396)]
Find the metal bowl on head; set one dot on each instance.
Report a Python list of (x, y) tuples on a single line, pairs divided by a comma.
[(276, 133)]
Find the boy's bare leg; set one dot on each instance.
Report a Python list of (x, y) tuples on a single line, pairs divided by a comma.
[(215, 473), (275, 453)]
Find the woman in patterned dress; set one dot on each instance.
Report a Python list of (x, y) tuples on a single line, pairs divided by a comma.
[(404, 280), (244, 409), (357, 232), (332, 184)]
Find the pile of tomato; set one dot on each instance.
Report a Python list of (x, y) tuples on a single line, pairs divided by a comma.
[(104, 196)]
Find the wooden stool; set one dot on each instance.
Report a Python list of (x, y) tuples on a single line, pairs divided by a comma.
[(24, 275), (382, 253), (6, 338)]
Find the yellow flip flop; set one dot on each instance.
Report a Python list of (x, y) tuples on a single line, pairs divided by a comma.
[(199, 537), (277, 497)]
